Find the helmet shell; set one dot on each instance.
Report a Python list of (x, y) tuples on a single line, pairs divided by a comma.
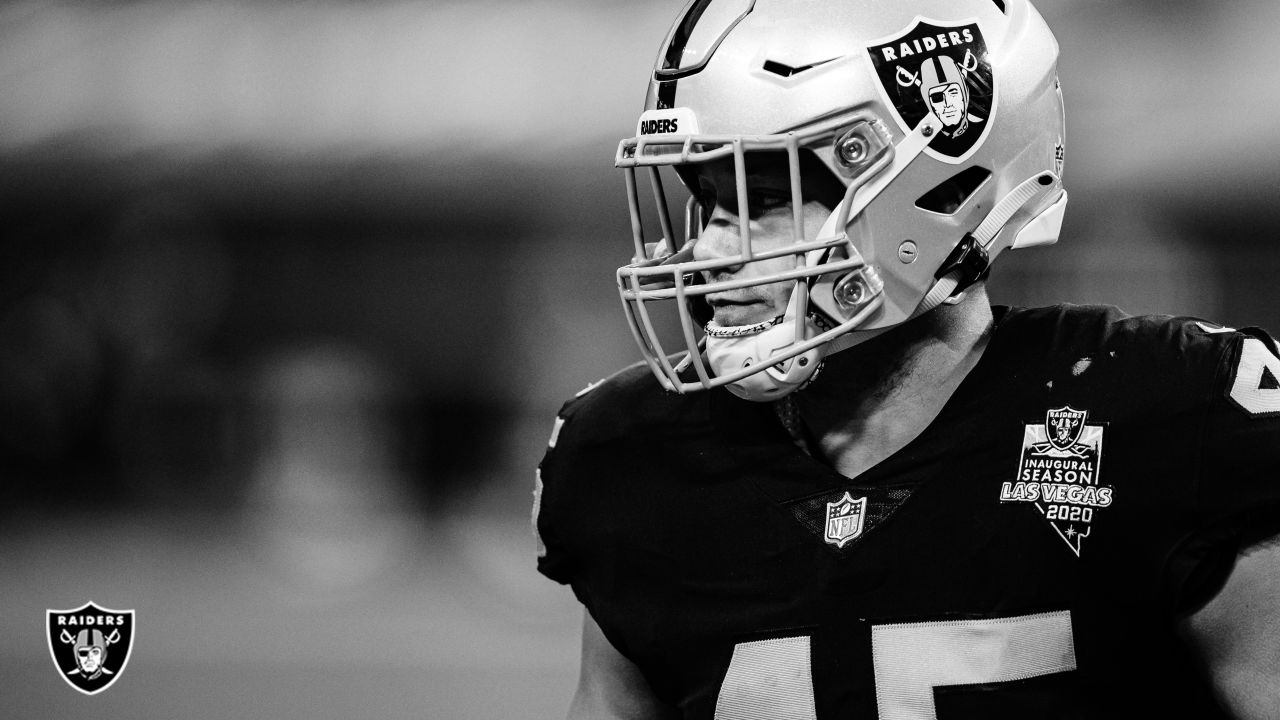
[(768, 67)]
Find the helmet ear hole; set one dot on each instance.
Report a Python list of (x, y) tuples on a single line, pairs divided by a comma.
[(950, 195)]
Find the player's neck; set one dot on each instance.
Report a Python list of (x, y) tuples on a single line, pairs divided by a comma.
[(873, 399)]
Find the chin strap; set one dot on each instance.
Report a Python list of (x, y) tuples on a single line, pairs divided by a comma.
[(731, 348), (970, 258), (849, 339)]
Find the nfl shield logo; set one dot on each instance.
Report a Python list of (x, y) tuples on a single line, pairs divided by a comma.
[(90, 645), (844, 520), (1064, 425)]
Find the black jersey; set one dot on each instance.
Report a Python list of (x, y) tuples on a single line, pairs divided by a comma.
[(1027, 555)]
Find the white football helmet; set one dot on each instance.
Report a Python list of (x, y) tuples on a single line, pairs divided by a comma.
[(942, 120)]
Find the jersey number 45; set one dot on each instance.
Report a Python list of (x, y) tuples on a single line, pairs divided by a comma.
[(773, 679)]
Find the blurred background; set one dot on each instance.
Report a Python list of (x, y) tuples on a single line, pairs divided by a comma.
[(290, 293)]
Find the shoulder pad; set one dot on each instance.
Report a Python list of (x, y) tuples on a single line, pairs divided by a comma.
[(628, 403)]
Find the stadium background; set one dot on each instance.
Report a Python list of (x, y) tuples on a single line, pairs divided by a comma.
[(289, 293)]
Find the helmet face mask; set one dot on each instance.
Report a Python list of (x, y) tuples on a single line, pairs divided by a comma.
[(897, 114), (666, 271)]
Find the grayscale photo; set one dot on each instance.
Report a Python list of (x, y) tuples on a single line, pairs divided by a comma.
[(690, 359)]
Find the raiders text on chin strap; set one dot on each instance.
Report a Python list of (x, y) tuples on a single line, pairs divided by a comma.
[(942, 119)]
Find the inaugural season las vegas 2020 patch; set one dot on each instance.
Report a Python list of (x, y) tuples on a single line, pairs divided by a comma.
[(939, 68), (1058, 470)]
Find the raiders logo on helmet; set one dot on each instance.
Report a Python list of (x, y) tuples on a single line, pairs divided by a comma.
[(941, 70)]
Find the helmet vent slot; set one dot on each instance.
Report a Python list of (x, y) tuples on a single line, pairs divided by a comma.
[(950, 195), (778, 68), (786, 70)]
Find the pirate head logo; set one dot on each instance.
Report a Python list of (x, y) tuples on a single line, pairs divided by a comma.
[(1064, 426), (933, 68), (90, 645)]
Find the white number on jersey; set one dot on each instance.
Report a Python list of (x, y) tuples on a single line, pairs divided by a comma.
[(773, 679), (768, 680), (1256, 388)]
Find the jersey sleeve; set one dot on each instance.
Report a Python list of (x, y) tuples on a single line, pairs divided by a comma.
[(1237, 495)]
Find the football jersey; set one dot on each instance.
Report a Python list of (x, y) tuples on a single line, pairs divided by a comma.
[(1028, 555)]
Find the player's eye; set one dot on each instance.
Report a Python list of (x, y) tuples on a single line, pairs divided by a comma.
[(759, 202)]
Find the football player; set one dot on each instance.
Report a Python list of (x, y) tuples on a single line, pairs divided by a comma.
[(856, 489)]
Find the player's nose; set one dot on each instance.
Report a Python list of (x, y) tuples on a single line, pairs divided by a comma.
[(720, 239)]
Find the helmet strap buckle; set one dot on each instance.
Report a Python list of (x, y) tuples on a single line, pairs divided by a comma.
[(970, 258)]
